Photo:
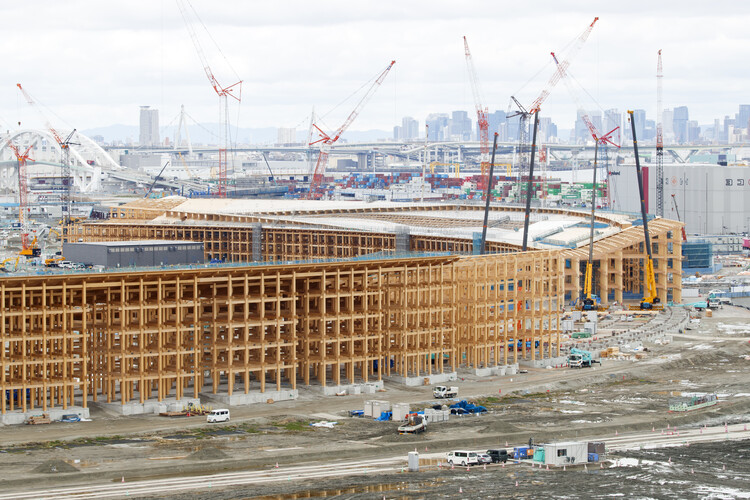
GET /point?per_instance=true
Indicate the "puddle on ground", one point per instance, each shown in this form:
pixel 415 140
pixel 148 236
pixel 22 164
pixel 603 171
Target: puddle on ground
pixel 353 490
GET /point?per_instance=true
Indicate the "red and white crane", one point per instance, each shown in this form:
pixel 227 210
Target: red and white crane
pixel 28 249
pixel 325 140
pixel 482 120
pixel 524 115
pixel 65 160
pixel 234 91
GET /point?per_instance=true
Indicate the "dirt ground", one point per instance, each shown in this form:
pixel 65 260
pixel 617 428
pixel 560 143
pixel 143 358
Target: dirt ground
pixel 546 404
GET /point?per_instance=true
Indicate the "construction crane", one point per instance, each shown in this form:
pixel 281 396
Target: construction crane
pixel 482 120
pixel 650 298
pixel 28 249
pixel 524 115
pixel 659 141
pixel 676 209
pixel 325 141
pixel 234 91
pixel 65 160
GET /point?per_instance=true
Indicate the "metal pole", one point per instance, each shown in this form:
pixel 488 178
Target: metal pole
pixel 529 185
pixel 487 198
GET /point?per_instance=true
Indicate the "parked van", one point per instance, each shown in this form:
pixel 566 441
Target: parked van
pixel 218 416
pixel 462 457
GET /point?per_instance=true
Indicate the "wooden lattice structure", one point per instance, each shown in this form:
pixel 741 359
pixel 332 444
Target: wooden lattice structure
pixel 155 334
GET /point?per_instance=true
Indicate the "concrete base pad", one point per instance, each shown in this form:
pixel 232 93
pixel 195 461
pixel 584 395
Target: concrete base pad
pixel 150 406
pixel 541 363
pixel 364 388
pixel 55 414
pixel 240 398
pixel 493 371
pixel 437 378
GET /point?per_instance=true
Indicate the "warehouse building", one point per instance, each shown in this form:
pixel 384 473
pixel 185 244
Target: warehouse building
pixel 140 253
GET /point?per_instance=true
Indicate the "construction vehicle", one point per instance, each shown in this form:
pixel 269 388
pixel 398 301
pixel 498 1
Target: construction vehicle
pixel 31 250
pixel 415 424
pixel 443 392
pixel 578 358
pixel 10 264
pixel 650 299
pixel 54 261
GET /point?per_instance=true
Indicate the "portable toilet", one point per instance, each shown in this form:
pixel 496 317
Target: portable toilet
pixel 567 453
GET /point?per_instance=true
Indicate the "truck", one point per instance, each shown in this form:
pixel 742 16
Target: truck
pixel 443 392
pixel 415 424
pixel 578 358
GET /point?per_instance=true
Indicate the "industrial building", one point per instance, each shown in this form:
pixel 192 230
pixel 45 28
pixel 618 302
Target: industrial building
pixel 143 253
pixel 711 198
pixel 314 293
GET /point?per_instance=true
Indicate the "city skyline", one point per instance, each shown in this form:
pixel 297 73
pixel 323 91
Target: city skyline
pixel 94 65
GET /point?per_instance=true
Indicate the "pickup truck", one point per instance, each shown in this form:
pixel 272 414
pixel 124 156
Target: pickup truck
pixel 443 392
pixel 414 425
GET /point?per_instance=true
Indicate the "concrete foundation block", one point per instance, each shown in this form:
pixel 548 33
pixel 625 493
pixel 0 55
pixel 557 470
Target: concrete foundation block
pixel 332 390
pixel 241 399
pixel 149 406
pixel 434 379
pixel 55 414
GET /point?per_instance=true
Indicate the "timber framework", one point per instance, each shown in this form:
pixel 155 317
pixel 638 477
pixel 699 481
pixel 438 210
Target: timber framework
pixel 272 319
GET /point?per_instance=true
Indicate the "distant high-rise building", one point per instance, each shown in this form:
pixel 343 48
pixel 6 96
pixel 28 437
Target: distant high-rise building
pixel 398 133
pixel 743 117
pixel 495 120
pixel 680 123
pixel 639 117
pixel 612 120
pixel 438 126
pixel 286 135
pixel 461 126
pixel 409 129
pixel 149 132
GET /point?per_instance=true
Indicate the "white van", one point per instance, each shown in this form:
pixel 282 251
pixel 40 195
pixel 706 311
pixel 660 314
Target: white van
pixel 463 457
pixel 218 416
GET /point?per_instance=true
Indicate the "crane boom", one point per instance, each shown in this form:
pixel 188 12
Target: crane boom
pixel 326 140
pixel 234 91
pixel 562 68
pixel 482 120
pixel 650 297
pixel 676 209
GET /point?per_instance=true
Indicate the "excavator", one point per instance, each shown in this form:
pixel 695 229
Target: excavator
pixel 650 299
pixel 10 264
pixel 32 250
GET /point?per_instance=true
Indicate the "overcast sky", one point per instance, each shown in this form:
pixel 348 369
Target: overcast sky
pixel 92 63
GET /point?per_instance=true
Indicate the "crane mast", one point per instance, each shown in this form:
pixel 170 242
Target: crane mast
pixel 325 141
pixel 659 141
pixel 650 298
pixel 482 119
pixel 28 249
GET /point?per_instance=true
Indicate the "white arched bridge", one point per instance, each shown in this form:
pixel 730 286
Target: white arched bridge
pixel 88 162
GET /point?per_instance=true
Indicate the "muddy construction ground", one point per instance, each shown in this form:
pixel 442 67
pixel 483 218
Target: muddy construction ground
pixel 544 404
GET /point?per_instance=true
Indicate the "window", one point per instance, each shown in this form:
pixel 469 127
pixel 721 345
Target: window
pixel 562 452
